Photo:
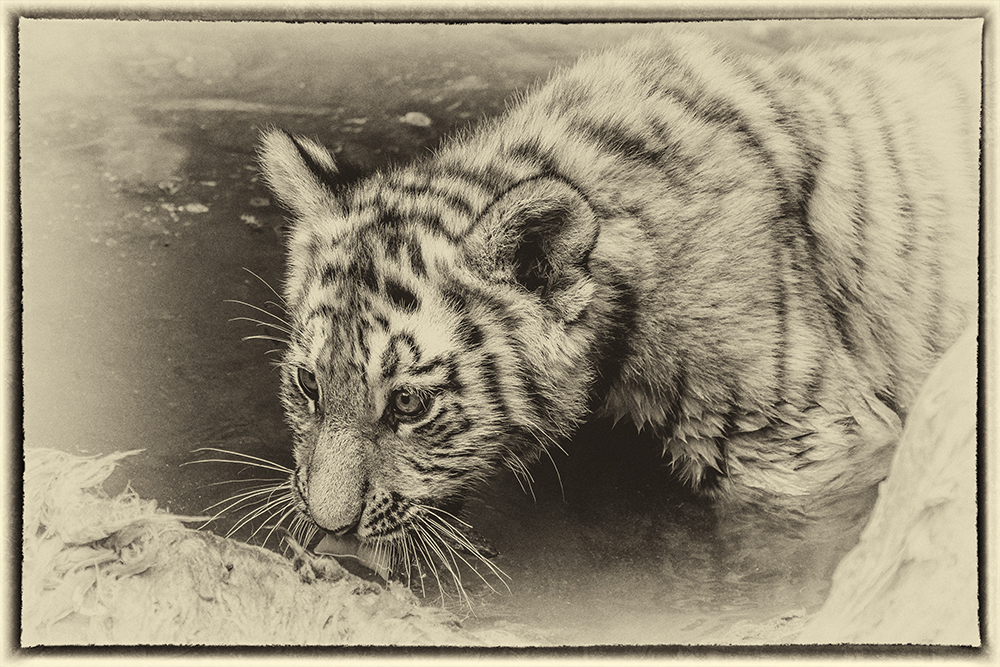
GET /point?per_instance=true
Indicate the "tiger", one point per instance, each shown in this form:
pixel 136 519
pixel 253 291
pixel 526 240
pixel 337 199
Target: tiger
pixel 755 257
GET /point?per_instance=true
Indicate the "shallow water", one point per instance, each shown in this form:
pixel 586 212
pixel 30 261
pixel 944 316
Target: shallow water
pixel 141 208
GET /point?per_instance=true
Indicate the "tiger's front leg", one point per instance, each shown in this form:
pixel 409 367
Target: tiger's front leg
pixel 795 460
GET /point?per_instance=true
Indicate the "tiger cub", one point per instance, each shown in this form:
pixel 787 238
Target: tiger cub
pixel 757 258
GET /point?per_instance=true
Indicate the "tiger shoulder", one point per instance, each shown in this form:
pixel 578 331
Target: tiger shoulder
pixel 756 258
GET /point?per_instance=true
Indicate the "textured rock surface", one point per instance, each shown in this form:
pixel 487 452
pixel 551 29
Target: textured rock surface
pixel 913 577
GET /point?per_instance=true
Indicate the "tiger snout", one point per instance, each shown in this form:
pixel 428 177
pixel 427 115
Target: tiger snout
pixel 332 481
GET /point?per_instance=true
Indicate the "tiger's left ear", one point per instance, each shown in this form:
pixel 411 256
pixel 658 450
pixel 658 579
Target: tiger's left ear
pixel 541 234
pixel 301 172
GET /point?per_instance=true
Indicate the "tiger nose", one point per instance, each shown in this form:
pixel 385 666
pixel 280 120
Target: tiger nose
pixel 336 484
pixel 337 522
pixel 336 511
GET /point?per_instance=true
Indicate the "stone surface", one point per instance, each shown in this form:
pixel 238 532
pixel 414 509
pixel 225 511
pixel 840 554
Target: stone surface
pixel 913 577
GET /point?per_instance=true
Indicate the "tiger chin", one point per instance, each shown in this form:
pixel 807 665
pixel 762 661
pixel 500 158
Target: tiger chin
pixel 757 259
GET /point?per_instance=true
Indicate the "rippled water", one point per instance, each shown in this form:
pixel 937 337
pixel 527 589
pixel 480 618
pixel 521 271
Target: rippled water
pixel 141 208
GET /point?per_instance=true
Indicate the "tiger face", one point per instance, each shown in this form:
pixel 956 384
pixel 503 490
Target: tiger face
pixel 408 377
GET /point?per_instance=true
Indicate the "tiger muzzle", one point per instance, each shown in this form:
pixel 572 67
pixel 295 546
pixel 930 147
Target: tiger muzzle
pixel 335 482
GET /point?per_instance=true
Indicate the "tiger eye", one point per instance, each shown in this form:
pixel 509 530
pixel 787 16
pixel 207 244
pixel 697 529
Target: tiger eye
pixel 408 404
pixel 308 384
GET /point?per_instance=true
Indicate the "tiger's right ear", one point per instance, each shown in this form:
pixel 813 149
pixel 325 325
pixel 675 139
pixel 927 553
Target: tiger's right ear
pixel 540 234
pixel 301 172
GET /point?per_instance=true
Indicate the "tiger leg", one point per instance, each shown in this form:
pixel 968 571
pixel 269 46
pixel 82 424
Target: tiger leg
pixel 801 462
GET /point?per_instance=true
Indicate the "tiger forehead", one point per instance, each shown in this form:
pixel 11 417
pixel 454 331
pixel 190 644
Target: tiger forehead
pixel 396 262
pixel 437 200
pixel 350 337
pixel 376 280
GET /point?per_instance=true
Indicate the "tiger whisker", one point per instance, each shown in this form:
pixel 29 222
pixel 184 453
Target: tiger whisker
pixel 451 556
pixel 289 509
pixel 269 497
pixel 429 545
pixel 308 532
pixel 562 490
pixel 249 464
pixel 261 490
pixel 276 305
pixel 263 463
pixel 456 555
pixel 552 442
pixel 385 559
pixel 273 291
pixel 437 511
pixel 447 530
pixel 234 502
pixel 420 553
pixel 419 565
pixel 251 501
pixel 239 500
pixel 521 474
pixel 280 323
pixel 265 509
pixel 266 337
pixel 280 327
pixel 263 311
pixel 435 539
pixel 253 480
pixel 409 559
pixel 302 529
pixel 253 495
pixel 245 481
pixel 545 437
pixel 551 439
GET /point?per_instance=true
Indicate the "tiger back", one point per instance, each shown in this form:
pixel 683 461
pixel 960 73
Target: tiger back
pixel 757 258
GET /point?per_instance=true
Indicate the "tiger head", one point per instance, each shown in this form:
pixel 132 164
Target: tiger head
pixel 440 329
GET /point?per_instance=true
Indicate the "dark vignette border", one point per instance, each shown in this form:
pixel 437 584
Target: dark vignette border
pixel 454 12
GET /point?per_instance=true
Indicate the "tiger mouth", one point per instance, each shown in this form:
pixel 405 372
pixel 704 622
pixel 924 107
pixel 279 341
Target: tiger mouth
pixel 350 546
pixel 371 554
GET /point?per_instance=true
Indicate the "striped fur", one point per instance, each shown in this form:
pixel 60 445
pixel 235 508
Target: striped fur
pixel 757 258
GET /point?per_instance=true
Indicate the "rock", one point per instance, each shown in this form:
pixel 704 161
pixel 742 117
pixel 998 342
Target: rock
pixel 416 119
pixel 913 578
